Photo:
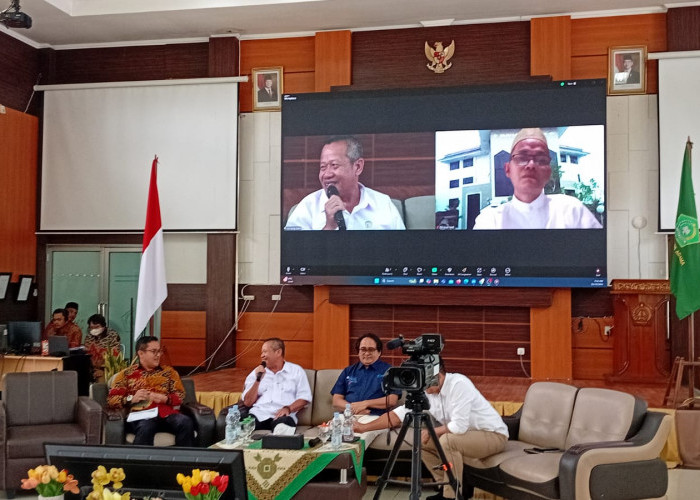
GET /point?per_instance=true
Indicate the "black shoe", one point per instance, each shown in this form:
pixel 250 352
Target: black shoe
pixel 438 496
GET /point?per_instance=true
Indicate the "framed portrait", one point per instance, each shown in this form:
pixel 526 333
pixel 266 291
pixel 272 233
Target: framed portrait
pixel 4 284
pixel 25 286
pixel 268 86
pixel 627 70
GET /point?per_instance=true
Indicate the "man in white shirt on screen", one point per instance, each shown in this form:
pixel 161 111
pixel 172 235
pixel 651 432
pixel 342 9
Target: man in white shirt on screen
pixel 361 207
pixel 529 169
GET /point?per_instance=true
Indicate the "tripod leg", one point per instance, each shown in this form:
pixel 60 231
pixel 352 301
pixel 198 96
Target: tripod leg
pixel 381 482
pixel 448 466
pixel 416 457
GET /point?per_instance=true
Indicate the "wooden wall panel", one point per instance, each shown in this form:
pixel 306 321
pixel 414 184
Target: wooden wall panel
pixel 224 53
pixel 484 53
pixel 333 51
pixel 184 324
pixel 19 71
pixel 287 326
pixel 550 336
pixel 18 167
pixel 550 47
pixel 221 277
pixel 115 64
pixel 184 352
pixel 593 36
pixel 683 26
pixel 295 55
pixel 331 331
pixel 183 335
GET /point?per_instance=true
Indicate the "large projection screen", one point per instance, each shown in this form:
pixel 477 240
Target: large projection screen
pixel 679 112
pixel 100 140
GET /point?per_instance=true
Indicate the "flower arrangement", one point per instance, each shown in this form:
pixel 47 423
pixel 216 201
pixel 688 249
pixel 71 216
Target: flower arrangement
pixel 49 481
pixel 114 362
pixel 203 485
pixel 101 478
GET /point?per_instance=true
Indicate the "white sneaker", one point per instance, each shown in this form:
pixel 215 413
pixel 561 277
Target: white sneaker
pixel 284 430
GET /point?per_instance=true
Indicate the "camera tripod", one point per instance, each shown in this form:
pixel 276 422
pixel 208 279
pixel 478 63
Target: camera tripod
pixel 417 403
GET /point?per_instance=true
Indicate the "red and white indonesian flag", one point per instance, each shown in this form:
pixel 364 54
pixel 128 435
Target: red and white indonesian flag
pixel 153 288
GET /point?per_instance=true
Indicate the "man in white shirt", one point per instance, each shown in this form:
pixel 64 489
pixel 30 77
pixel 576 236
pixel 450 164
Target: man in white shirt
pixel 349 204
pixel 529 169
pixel 469 426
pixel 277 389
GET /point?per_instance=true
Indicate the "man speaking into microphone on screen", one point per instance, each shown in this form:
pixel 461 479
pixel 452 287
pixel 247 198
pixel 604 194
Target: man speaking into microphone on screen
pixel 343 202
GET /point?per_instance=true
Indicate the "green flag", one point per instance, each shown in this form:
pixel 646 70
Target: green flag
pixel 685 262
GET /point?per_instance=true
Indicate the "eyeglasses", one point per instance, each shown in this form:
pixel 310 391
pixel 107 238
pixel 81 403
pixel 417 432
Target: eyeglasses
pixel 155 352
pixel 369 350
pixel 524 160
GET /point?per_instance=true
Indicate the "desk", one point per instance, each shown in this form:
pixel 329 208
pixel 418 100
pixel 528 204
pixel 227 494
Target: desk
pixel 11 363
pixel 282 474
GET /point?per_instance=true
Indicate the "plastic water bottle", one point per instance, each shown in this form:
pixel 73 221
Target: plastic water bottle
pixel 336 431
pixel 348 420
pixel 233 424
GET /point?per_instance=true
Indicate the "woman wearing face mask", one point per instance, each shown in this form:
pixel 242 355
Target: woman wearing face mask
pixel 99 340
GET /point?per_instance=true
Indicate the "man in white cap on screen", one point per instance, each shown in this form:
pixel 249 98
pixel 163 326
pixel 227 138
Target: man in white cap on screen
pixel 529 169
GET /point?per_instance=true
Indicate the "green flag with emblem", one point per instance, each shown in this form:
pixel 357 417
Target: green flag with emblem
pixel 685 262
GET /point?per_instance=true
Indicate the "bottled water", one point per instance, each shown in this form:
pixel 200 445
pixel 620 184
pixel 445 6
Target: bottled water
pixel 336 431
pixel 233 424
pixel 348 420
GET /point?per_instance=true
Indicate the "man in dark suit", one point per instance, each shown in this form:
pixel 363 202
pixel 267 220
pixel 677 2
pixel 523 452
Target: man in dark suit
pixel 632 74
pixel 267 93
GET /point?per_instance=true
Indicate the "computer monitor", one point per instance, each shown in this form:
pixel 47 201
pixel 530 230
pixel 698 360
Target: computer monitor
pixel 151 471
pixel 24 337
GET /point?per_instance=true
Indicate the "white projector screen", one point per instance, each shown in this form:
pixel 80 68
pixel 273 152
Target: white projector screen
pixel 679 118
pixel 100 140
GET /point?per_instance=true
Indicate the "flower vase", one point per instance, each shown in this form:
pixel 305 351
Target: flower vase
pixel 57 497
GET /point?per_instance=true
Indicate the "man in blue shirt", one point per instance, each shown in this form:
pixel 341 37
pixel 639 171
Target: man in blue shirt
pixel 360 384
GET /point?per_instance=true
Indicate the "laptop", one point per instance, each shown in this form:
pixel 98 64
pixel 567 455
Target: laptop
pixel 58 346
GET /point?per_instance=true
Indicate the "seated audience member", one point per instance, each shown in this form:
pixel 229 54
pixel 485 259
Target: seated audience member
pixel 277 389
pixel 72 309
pixel 61 326
pixel 98 341
pixel 360 384
pixel 529 169
pixel 149 385
pixel 357 206
pixel 469 427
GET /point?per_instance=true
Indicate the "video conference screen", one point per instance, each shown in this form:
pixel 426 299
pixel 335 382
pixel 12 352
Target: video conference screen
pixel 471 186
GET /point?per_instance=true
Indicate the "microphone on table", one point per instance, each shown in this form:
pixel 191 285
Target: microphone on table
pixel 314 442
pixel 260 374
pixel 338 216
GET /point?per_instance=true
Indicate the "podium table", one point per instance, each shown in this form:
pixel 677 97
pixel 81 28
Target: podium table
pixel 11 363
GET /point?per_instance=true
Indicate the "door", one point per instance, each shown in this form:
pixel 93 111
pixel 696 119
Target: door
pixel 101 280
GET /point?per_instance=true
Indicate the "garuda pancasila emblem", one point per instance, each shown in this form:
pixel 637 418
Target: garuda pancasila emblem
pixel 439 55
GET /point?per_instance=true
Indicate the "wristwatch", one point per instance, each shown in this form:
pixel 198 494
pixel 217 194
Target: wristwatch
pixel 129 398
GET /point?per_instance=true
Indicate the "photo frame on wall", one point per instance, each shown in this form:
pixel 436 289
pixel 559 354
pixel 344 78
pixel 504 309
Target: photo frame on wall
pixel 4 284
pixel 627 70
pixel 268 87
pixel 25 286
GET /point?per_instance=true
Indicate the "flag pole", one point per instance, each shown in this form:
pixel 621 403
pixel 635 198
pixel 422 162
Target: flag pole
pixel 691 356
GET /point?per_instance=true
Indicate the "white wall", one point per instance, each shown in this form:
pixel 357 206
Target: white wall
pixel 632 145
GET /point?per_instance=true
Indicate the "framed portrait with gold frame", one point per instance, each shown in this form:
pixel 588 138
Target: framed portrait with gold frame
pixel 627 70
pixel 268 86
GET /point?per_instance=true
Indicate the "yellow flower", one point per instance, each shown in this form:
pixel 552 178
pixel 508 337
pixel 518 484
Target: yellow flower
pixel 206 476
pixel 180 478
pixel 196 476
pixel 45 477
pixel 187 485
pixel 62 476
pixel 94 495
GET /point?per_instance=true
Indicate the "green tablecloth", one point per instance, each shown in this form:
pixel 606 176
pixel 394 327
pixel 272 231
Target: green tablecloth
pixel 280 474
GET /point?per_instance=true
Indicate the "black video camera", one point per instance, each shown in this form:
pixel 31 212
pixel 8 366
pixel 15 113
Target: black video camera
pixel 420 370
